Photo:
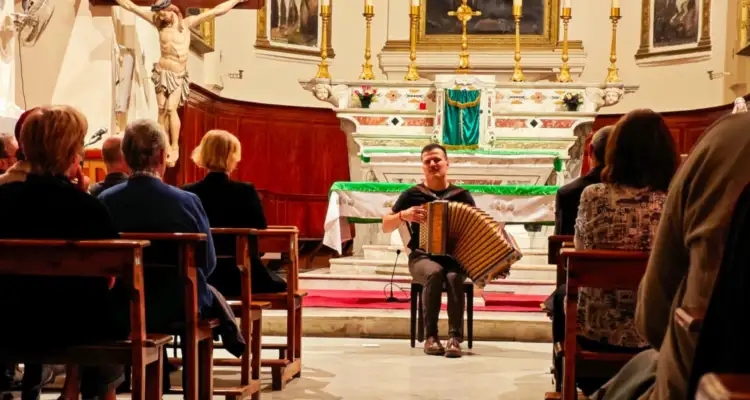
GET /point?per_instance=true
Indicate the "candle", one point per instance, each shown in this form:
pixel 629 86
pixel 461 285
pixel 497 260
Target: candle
pixel 615 3
pixel 368 3
pixel 517 3
pixel 567 3
pixel 415 3
pixel 325 3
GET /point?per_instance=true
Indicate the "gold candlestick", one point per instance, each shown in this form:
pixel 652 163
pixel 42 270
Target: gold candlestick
pixel 564 69
pixel 744 8
pixel 464 13
pixel 325 15
pixel 412 74
pixel 367 74
pixel 612 71
pixel 517 70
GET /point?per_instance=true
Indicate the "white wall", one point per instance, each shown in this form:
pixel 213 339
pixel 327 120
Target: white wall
pixel 664 88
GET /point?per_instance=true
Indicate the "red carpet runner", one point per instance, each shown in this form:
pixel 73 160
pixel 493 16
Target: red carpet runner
pixel 375 300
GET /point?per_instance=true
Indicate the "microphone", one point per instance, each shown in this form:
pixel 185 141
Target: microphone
pixel 96 137
pixel 391 298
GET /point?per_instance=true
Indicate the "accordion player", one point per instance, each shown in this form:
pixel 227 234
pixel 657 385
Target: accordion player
pixel 469 235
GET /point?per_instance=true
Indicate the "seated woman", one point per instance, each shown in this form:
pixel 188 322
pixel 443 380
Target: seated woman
pixel 230 204
pixel 46 205
pixel 621 213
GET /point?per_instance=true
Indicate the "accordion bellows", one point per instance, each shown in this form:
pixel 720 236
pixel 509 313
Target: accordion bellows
pixel 472 237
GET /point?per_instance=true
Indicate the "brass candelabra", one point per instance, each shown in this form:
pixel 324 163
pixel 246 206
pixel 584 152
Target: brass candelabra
pixel 612 72
pixel 564 69
pixel 325 15
pixel 412 74
pixel 517 70
pixel 744 26
pixel 367 74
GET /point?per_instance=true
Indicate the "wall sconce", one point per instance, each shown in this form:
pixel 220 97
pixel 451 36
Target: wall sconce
pixel 236 75
pixel 712 75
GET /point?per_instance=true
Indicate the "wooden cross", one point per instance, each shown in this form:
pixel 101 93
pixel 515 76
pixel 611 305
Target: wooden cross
pixel 185 4
pixel 464 13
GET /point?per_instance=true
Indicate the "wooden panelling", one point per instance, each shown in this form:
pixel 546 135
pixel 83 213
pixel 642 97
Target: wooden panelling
pixel 686 126
pixel 291 154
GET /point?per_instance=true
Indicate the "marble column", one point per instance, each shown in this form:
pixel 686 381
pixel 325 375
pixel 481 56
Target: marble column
pixel 9 111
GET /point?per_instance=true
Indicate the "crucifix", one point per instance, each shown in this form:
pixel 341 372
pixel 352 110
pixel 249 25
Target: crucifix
pixel 464 13
pixel 170 74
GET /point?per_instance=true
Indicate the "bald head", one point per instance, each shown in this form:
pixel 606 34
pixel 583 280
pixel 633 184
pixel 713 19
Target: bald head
pixel 599 144
pixel 112 154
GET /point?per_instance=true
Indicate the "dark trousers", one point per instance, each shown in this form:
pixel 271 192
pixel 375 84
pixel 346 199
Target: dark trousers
pixel 31 383
pixel 432 273
pixel 587 385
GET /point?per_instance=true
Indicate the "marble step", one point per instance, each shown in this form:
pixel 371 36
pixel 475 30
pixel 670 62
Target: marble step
pixel 388 252
pixel 329 280
pixel 360 265
pixel 394 324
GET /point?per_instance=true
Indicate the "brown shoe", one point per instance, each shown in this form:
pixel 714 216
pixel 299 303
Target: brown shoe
pixel 453 348
pixel 433 347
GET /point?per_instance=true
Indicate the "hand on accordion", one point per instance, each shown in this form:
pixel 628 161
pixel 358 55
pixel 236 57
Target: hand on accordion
pixel 414 214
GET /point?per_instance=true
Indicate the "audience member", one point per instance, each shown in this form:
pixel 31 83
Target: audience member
pixel 52 139
pixel 684 261
pixel 230 204
pixel 621 213
pixel 18 171
pixel 146 204
pixel 114 161
pixel 569 196
pixel 8 148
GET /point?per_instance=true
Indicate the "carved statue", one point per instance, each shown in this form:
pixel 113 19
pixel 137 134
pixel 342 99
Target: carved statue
pixel 170 74
pixel 740 105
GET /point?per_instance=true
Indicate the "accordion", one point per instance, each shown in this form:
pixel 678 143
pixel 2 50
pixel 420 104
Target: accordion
pixel 479 243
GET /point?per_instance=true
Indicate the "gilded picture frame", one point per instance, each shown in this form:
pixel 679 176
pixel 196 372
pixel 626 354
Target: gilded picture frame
pixel 547 38
pixel 267 27
pixel 202 39
pixel 657 17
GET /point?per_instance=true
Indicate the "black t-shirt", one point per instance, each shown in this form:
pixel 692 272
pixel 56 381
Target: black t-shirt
pixel 415 196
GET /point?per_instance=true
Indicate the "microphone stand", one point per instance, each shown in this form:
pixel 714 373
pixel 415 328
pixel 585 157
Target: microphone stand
pixel 391 298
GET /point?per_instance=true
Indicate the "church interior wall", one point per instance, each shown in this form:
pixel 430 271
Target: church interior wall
pixel 675 85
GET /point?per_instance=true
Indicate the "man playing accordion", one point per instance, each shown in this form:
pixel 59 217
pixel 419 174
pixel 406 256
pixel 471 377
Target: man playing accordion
pixel 433 271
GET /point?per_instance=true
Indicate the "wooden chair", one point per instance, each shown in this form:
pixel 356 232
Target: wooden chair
pixel 724 387
pixel 94 258
pixel 417 318
pixel 555 245
pixel 198 333
pixel 283 239
pixel 250 313
pixel 607 270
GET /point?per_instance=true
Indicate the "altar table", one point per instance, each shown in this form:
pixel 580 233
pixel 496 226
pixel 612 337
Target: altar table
pixel 368 202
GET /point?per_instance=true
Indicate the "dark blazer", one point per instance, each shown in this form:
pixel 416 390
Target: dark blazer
pixel 233 204
pixel 112 179
pixel 48 207
pixel 146 204
pixel 569 198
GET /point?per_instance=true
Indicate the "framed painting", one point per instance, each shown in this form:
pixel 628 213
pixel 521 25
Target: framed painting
pixel 292 26
pixel 674 27
pixel 202 37
pixel 495 28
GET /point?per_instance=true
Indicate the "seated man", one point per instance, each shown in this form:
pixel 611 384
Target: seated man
pixel 117 169
pixel 684 260
pixel 146 204
pixel 430 271
pixel 569 196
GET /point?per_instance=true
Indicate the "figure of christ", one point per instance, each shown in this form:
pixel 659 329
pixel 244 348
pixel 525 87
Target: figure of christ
pixel 170 74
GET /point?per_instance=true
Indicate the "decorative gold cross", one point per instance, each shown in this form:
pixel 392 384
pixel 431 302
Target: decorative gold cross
pixel 464 13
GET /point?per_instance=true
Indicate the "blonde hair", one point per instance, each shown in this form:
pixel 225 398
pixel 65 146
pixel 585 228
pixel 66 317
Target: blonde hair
pixel 52 137
pixel 219 150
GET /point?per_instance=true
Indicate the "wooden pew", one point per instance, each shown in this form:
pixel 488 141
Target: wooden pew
pixel 555 245
pixel 93 258
pixel 198 333
pixel 283 239
pixel 607 270
pixel 250 313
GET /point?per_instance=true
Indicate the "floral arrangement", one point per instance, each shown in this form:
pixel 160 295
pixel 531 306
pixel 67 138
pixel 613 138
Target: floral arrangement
pixel 572 101
pixel 366 95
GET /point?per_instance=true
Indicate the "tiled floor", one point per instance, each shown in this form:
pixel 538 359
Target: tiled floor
pixel 369 369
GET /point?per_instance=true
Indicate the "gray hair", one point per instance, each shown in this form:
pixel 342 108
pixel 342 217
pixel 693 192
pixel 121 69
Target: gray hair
pixel 142 142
